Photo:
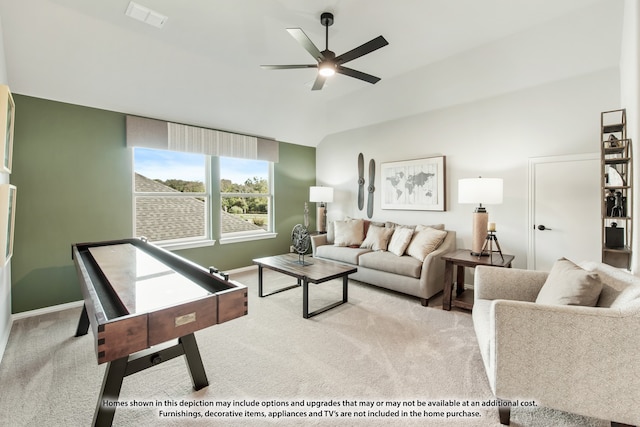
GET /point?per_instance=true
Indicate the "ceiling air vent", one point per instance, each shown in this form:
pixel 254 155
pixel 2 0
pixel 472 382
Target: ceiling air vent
pixel 146 15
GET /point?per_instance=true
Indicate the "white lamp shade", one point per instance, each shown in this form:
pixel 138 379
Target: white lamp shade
pixel 480 190
pixel 321 194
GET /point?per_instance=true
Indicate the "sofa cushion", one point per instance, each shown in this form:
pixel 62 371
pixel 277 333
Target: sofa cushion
pixel 424 241
pixel 568 284
pixel 420 227
pixel 414 227
pixel 349 232
pixel 386 261
pixel 394 225
pixel 340 253
pixel 377 238
pixel 400 240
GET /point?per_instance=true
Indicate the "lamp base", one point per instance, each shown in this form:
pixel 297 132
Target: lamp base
pixel 321 219
pixel 479 234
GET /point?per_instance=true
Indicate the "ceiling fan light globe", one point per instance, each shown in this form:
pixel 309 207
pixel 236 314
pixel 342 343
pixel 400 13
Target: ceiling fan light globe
pixel 327 71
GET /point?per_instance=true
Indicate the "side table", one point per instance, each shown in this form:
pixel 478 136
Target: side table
pixel 462 258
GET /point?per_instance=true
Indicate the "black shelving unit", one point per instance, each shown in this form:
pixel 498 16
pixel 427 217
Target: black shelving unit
pixel 617 189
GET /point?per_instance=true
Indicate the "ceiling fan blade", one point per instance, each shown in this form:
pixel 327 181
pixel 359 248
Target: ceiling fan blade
pixel 368 47
pixel 306 43
pixel 317 85
pixel 286 67
pixel 357 74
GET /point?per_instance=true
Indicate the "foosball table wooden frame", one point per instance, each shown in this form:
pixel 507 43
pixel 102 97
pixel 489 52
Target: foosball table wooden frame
pixel 138 300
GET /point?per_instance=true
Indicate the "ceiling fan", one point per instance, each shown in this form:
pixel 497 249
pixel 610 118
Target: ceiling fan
pixel 328 63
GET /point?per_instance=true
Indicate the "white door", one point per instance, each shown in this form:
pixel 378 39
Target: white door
pixel 564 210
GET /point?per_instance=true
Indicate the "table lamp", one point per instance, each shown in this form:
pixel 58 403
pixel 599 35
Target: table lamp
pixel 321 196
pixel 480 190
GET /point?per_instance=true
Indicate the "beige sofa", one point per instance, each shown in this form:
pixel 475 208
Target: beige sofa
pixel 579 359
pixel 389 267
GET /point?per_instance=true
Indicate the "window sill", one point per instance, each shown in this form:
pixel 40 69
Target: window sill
pixel 175 246
pixel 247 238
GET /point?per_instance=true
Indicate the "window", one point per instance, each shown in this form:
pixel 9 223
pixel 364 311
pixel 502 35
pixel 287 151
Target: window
pixel 171 196
pixel 246 198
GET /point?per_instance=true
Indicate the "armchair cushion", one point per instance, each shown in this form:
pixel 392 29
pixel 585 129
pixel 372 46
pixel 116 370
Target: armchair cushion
pixel 618 290
pixel 568 284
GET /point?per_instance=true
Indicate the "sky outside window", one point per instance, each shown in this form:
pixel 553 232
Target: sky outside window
pixel 240 170
pixel 164 165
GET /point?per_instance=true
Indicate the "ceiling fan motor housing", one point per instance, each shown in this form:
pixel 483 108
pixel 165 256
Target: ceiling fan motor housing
pixel 326 19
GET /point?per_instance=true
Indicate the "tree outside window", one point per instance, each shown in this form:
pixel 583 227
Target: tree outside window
pixel 245 196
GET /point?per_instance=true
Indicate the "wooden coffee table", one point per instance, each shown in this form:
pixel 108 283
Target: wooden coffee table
pixel 313 271
pixel 462 258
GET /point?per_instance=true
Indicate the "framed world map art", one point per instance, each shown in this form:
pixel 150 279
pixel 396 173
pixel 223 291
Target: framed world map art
pixel 414 184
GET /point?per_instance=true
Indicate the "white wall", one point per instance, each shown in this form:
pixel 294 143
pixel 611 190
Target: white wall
pixel 630 99
pixel 492 137
pixel 532 94
pixel 585 41
pixel 5 273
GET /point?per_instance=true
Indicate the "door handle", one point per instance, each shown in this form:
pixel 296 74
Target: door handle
pixel 542 228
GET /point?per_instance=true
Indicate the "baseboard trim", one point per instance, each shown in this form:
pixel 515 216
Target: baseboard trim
pixel 46 310
pixel 242 269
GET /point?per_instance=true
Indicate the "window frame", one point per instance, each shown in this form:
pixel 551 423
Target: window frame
pixel 246 236
pixel 186 242
pixel 211 194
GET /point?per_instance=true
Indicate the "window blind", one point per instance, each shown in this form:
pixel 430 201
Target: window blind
pixel 158 134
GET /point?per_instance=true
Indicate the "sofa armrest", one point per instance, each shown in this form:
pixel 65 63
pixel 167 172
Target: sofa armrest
pixel 318 240
pixel 507 283
pixel 578 359
pixel 432 275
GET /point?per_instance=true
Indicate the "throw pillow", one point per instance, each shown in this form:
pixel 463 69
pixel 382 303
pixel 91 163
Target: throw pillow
pixel 348 233
pixel 424 241
pixel 568 284
pixel 377 238
pixel 400 240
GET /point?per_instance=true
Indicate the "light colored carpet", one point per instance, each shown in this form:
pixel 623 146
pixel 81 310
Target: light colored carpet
pixel 379 347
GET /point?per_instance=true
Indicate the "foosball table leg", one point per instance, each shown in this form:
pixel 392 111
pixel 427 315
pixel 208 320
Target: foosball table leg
pixel 194 361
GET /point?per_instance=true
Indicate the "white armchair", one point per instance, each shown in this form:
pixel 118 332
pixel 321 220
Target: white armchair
pixel 584 360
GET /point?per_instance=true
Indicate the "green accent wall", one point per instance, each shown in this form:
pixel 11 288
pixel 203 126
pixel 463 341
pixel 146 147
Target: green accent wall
pixel 74 179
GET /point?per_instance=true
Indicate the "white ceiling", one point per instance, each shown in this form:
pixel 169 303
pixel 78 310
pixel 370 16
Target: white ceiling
pixel 202 67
